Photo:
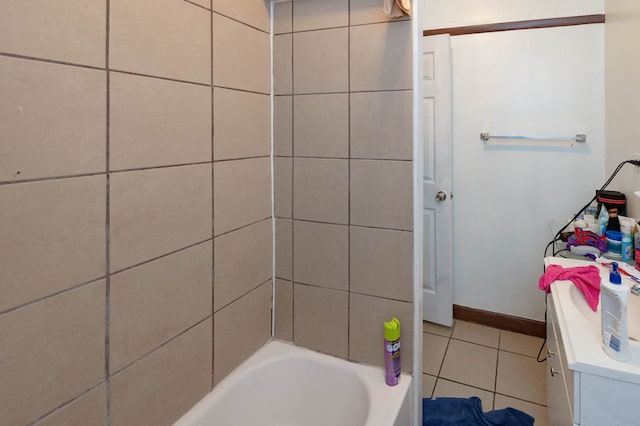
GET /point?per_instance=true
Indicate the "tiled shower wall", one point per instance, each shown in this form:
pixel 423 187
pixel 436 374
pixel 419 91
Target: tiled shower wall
pixel 343 173
pixel 131 181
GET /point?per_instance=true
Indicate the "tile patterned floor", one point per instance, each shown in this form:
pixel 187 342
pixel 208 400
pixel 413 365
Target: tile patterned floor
pixel 497 366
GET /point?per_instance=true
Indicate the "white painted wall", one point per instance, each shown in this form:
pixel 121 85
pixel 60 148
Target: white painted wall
pixel 531 82
pixel 456 13
pixel 622 70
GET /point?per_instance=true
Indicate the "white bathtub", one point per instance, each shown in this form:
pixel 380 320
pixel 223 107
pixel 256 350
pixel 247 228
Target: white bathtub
pixel 282 384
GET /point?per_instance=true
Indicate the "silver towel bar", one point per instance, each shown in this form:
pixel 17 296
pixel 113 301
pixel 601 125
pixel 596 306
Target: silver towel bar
pixel 577 138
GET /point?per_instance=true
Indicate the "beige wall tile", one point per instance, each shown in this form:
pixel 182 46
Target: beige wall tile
pixel 241 58
pixel 321 63
pixel 385 48
pixel 320 190
pixel 321 125
pixel 283 64
pixel 242 193
pixel 284 248
pixel 203 3
pixel 156 301
pixel 284 310
pixel 283 125
pixel 51 111
pixel 243 260
pixel 321 254
pixel 283 178
pixel 165 38
pixel 163 385
pixel 251 12
pixel 381 125
pixel 68 30
pixel 381 194
pixel 367 315
pixel 320 319
pixel 89 409
pixel 53 237
pixel 282 20
pixel 241 329
pixel 313 15
pixel 154 212
pixel 382 263
pixel 51 351
pixel 368 12
pixel 155 122
pixel 236 136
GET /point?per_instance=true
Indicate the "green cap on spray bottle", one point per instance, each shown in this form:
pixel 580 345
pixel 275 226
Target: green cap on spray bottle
pixel 392 330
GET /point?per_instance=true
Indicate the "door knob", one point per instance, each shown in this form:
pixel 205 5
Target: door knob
pixel 441 196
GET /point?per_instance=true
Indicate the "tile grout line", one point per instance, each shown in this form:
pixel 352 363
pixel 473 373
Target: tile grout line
pixel 239 22
pixel 213 230
pixel 64 404
pixel 162 345
pixel 107 349
pixel 293 112
pixel 119 271
pixel 252 289
pixel 495 381
pixel 345 224
pixel 334 92
pixel 49 296
pixel 494 393
pixel 197 5
pixel 349 179
pixel 272 174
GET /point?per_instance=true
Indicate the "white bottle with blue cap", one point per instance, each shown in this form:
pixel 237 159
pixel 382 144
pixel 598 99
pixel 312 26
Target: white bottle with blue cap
pixel 613 311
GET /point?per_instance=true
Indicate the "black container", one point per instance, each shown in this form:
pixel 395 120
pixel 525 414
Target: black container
pixel 611 200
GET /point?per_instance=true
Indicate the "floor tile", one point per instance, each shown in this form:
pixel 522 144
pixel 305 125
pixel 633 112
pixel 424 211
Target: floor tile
pixel 438 329
pixel 538 412
pixel 433 350
pixel 451 389
pixel 521 377
pixel 470 364
pixel 428 383
pixel 476 333
pixel 520 343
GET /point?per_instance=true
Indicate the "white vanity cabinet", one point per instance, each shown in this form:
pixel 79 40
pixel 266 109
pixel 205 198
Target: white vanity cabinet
pixel 584 386
pixel 560 379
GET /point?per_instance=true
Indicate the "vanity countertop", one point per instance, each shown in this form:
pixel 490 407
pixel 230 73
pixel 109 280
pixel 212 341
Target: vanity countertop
pixel 580 327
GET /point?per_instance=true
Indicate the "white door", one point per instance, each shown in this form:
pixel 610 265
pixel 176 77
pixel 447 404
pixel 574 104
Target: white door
pixel 437 286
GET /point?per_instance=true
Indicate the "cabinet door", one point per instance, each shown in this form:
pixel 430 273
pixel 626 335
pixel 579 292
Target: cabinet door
pixel 558 404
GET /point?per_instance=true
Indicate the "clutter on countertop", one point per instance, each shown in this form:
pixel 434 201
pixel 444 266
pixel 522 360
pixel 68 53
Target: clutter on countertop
pixel 610 234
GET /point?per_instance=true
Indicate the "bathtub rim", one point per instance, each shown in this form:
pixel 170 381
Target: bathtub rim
pixel 386 404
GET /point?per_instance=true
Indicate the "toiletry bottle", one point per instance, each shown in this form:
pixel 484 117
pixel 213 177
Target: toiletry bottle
pixel 392 351
pixel 627 248
pixel 603 220
pixel 636 237
pixel 613 309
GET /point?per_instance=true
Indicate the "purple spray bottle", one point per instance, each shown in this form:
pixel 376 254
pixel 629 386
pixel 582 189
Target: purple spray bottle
pixel 392 351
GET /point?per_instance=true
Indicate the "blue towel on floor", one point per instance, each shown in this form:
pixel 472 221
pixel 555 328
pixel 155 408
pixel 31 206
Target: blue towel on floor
pixel 468 412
